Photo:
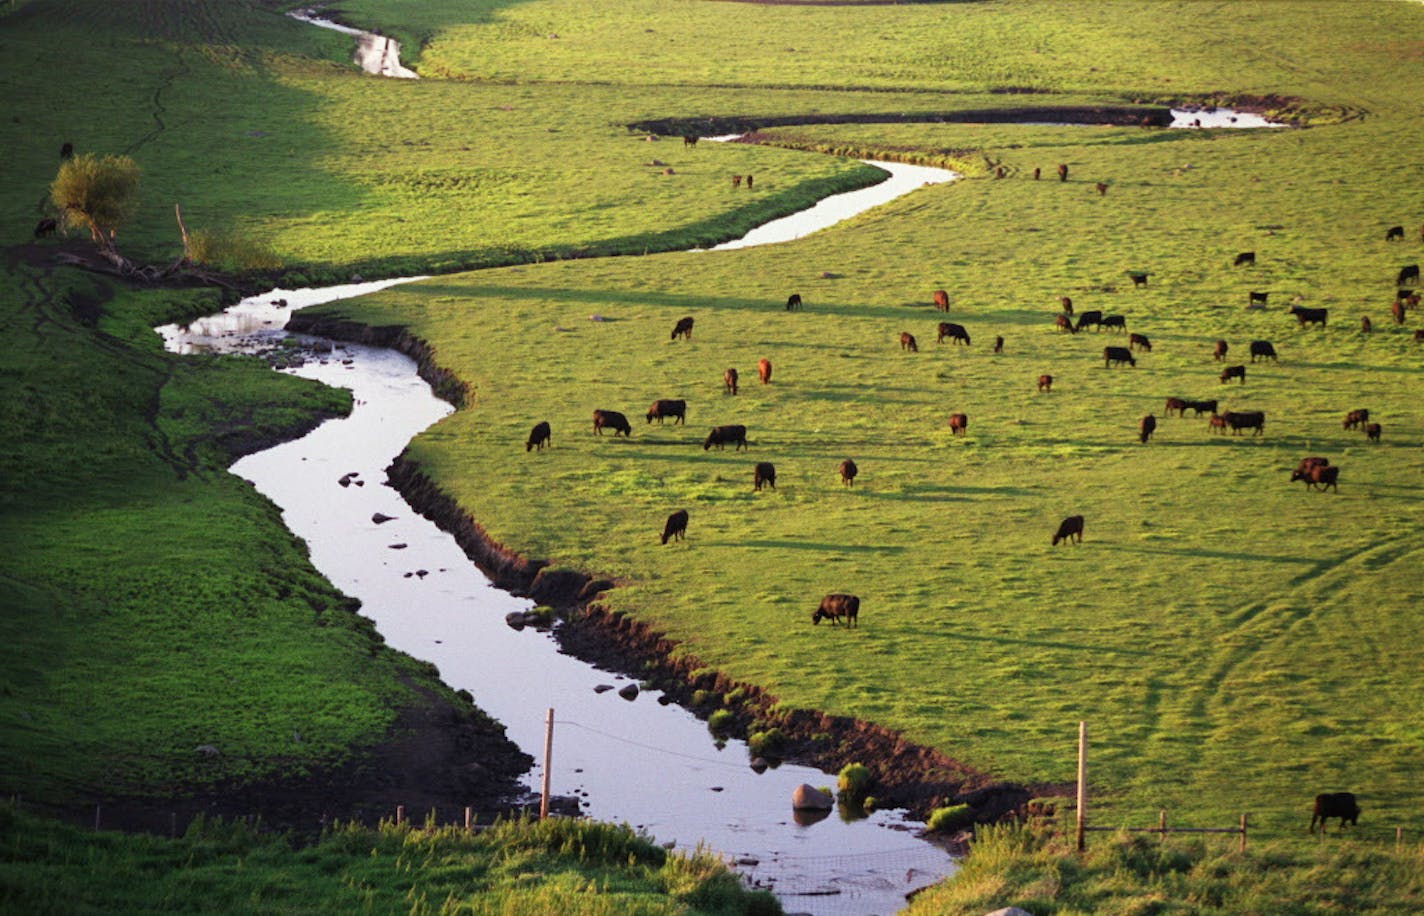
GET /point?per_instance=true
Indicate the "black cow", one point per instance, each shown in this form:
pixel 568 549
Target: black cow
pixel 1356 419
pixel 1231 372
pixel 1305 316
pixel 689 140
pixel 958 424
pixel 1064 323
pixel 1200 407
pixel 907 342
pixel 1118 355
pixel 1219 353
pixel 834 607
pixel 764 474
pixel 676 526
pixel 848 470
pixel 729 380
pixel 721 435
pixel 613 420
pixel 683 328
pixel 941 300
pixel 955 332
pixel 1116 322
pixel 1263 349
pixel 1139 341
pixel 1408 275
pixel 999 344
pixel 1255 298
pixel 793 302
pixel 1394 232
pixel 66 151
pixel 1070 528
pixel 1138 278
pixel 1146 427
pixel 538 436
pixel 1335 804
pixel 1092 316
pixel 1102 189
pixel 662 409
pixel 46 226
pixel 1365 325
pixel 1245 419
pixel 1245 257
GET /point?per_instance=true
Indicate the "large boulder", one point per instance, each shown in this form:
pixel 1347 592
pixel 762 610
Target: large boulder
pixel 809 798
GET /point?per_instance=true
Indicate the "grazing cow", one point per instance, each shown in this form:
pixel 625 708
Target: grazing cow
pixel 941 300
pixel 1177 404
pixel 538 436
pixel 749 182
pixel 1408 275
pixel 1092 317
pixel 1231 372
pixel 1064 323
pixel 1139 341
pixel 1394 232
pixel 661 410
pixel 1305 316
pixel 1070 528
pixel 1102 189
pixel 1335 804
pixel 736 181
pixel 1245 419
pixel 1245 257
pixel 1045 383
pixel 1372 432
pixel 1419 333
pixel 793 302
pixel 1356 419
pixel 683 328
pixel 676 526
pixel 1036 172
pixel 834 607
pixel 1067 304
pixel 1138 278
pixel 958 423
pixel 1256 298
pixel 689 140
pixel 729 380
pixel 955 332
pixel 998 344
pixel 907 342
pixel 1118 355
pixel 1115 322
pixel 1062 172
pixel 1200 407
pixel 764 474
pixel 1263 349
pixel 1396 309
pixel 1302 470
pixel 721 435
pixel 613 420
pixel 1216 424
pixel 1146 427
pixel 848 470
pixel 66 151
pixel 1219 353
pixel 1322 478
pixel 1410 301
pixel 46 226
pixel 1365 325
pixel 764 370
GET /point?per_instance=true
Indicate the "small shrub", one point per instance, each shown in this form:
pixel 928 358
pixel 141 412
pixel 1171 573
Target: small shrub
pixel 769 743
pixel 950 818
pixel 721 721
pixel 703 698
pixel 735 696
pixel 854 780
pixel 228 251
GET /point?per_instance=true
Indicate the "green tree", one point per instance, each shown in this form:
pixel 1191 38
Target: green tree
pixel 96 193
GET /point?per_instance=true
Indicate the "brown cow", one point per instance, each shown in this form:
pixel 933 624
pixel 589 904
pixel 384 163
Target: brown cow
pixel 1177 404
pixel 1067 304
pixel 955 332
pixel 1036 172
pixel 662 409
pixel 1356 419
pixel 1139 341
pixel 763 474
pixel 749 182
pixel 1219 353
pixel 1419 333
pixel 1045 383
pixel 736 181
pixel 676 526
pixel 941 300
pixel 1396 310
pixel 958 423
pixel 998 344
pixel 1102 189
pixel 1062 172
pixel 1302 470
pixel 764 370
pixel 538 436
pixel 907 342
pixel 1064 323
pixel 1069 529
pixel 689 140
pixel 1146 427
pixel 834 607
pixel 729 380
pixel 1217 424
pixel 1365 325
pixel 613 420
pixel 1231 372
pixel 1372 432
pixel 848 470
pixel 683 328
pixel 1322 478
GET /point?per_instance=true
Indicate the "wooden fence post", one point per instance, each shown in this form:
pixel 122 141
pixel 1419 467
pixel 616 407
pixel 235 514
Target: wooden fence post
pixel 469 819
pixel 400 814
pixel 1243 833
pixel 548 757
pixel 1082 783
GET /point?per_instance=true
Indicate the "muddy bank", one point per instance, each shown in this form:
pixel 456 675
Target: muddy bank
pixel 1118 115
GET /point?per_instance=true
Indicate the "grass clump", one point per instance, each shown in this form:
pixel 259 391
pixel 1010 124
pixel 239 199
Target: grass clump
pixel 721 721
pixel 769 742
pixel 232 252
pixel 854 781
pixel 950 817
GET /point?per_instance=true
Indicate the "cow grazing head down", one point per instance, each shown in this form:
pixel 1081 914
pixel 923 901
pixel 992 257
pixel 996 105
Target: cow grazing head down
pixel 682 329
pixel 1146 427
pixel 538 436
pixel 837 607
pixel 611 419
pixel 907 342
pixel 764 475
pixel 1069 529
pixel 793 302
pixel 721 435
pixel 1335 804
pixel 676 527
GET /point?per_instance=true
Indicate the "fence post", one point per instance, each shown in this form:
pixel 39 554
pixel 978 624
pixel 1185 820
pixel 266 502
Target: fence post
pixel 96 818
pixel 548 756
pixel 1243 833
pixel 468 818
pixel 1082 783
pixel 1162 824
pixel 1398 837
pixel 400 814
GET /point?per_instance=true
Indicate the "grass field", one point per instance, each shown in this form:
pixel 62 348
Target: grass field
pixel 1236 643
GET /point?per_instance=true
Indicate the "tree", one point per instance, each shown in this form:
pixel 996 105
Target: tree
pixel 96 193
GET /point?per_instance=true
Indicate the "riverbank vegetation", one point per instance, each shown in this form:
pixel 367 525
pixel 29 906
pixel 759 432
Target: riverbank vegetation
pixel 1236 642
